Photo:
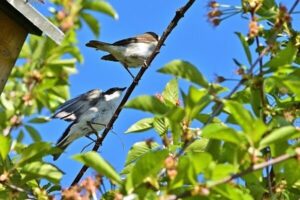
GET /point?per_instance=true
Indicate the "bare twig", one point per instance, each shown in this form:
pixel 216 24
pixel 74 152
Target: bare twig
pixel 179 14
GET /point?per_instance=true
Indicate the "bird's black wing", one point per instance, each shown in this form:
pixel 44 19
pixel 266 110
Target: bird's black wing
pixel 145 37
pixel 73 108
pixel 109 57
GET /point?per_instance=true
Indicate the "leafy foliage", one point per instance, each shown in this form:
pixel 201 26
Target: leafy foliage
pixel 40 82
pixel 214 142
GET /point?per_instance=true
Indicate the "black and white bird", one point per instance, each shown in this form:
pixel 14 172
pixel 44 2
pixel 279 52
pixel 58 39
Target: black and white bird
pixel 89 113
pixel 131 52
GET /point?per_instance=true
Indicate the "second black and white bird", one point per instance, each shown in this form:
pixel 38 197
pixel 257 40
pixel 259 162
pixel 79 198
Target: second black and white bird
pixel 89 113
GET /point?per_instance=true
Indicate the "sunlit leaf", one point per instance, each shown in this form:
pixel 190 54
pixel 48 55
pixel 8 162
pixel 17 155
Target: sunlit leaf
pixel 5 142
pixel 245 44
pixel 280 134
pixel 147 103
pixel 139 149
pixel 43 170
pixel 147 167
pixel 170 93
pixel 161 125
pixel 39 119
pixel 92 22
pixel 240 114
pixel 34 134
pixel 141 125
pixel 101 6
pixel 283 57
pixel 35 152
pixel 185 70
pixel 95 161
pixel 223 133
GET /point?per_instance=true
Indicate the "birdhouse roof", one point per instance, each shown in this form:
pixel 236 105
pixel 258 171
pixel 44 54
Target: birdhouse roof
pixel 31 19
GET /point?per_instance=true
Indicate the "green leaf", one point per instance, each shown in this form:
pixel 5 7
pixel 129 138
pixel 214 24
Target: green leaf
pixel 92 22
pixel 101 6
pixel 95 161
pixel 198 145
pixel 146 168
pixel 20 136
pixel 230 191
pixel 161 125
pixel 170 93
pixel 214 148
pixel 223 133
pixel 258 131
pixel 245 44
pixel 185 70
pixel 280 134
pixel 240 114
pixel 5 146
pixel 39 120
pixel 8 105
pixel 176 130
pixel 139 149
pixel 34 152
pixel 141 125
pixel 292 82
pixel 196 101
pixel 283 57
pixel 222 170
pixel 175 114
pixel 147 103
pixel 34 134
pixel 189 166
pixel 62 62
pixel 255 101
pixel 43 170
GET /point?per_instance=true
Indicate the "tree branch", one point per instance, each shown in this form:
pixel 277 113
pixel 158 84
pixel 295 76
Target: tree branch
pixel 254 168
pixel 251 169
pixel 179 14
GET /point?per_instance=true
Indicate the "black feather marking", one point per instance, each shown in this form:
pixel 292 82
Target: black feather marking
pixel 65 133
pixel 62 146
pixel 109 57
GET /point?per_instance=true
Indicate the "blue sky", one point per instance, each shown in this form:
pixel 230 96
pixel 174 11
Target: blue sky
pixel 209 48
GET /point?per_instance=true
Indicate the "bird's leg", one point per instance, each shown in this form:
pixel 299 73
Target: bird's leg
pixel 145 64
pixel 90 124
pixel 87 136
pixel 126 67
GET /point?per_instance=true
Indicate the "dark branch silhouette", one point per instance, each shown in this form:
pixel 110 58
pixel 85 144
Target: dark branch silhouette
pixel 179 14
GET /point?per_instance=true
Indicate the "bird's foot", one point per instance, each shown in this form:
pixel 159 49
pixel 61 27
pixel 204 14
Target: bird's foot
pixel 90 124
pixel 145 64
pixel 89 137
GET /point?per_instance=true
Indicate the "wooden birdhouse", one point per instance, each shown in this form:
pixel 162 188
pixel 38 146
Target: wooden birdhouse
pixel 18 19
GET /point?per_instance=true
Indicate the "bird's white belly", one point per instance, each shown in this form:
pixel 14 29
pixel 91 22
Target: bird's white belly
pixel 134 55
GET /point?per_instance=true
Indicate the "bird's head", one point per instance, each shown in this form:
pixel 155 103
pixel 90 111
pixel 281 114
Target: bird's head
pixel 113 93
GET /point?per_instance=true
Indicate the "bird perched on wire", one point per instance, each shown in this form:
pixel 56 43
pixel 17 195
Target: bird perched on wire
pixel 89 113
pixel 131 52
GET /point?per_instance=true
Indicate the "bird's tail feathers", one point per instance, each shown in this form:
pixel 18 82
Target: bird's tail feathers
pixel 99 45
pixel 62 143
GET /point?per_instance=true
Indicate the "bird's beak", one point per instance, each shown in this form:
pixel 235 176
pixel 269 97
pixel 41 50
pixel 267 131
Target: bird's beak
pixel 122 89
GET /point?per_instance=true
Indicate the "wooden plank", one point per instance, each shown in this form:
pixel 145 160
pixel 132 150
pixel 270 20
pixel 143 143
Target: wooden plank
pixel 12 37
pixel 10 11
pixel 38 20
